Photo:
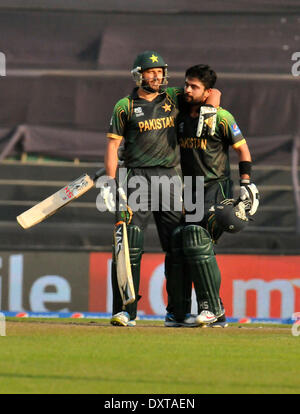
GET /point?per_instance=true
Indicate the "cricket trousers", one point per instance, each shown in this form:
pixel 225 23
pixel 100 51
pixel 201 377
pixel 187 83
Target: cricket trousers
pixel 152 192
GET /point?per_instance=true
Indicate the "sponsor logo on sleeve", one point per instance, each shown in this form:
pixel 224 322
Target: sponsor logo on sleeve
pixel 235 129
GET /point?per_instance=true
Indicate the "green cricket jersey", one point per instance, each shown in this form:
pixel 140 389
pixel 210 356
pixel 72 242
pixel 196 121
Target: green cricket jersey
pixel 148 129
pixel 208 156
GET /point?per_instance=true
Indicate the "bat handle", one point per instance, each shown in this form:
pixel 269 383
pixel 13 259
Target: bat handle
pixel 98 174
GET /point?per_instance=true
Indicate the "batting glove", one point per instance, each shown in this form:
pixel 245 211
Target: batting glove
pixel 124 209
pixel 207 121
pixel 249 194
pixel 108 195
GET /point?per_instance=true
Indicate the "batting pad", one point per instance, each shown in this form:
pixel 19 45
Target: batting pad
pixel 202 266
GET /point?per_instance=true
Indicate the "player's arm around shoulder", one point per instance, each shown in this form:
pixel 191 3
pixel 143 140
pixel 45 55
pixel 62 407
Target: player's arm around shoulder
pixel 214 98
pixel 175 94
pixel 174 90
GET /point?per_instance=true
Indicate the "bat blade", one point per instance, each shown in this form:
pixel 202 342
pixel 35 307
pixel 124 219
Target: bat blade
pixel 123 267
pixel 56 201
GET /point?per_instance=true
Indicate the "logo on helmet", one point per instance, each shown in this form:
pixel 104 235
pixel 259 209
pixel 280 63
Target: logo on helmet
pixel 153 58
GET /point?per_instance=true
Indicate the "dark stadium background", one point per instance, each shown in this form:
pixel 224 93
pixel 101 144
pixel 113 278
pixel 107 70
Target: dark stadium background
pixel 68 62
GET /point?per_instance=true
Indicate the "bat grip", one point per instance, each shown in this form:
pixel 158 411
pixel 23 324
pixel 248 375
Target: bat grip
pixel 98 174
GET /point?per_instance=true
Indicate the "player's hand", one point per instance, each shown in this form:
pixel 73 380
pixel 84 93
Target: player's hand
pixel 207 121
pixel 249 194
pixel 108 195
pixel 124 212
pixel 115 200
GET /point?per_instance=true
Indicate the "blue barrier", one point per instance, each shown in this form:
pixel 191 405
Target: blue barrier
pixel 91 315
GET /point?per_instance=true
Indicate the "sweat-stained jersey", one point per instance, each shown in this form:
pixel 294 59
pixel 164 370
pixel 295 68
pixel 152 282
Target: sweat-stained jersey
pixel 148 129
pixel 208 156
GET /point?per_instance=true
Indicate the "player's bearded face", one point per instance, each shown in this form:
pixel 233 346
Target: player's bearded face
pixel 153 77
pixel 195 92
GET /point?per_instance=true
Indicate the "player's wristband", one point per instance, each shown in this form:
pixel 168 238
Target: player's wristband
pixel 245 168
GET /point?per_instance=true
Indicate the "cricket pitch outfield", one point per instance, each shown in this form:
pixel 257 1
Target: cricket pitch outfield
pixel 90 356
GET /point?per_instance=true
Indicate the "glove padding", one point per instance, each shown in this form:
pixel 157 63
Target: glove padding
pixel 207 121
pixel 113 199
pixel 250 196
pixel 107 193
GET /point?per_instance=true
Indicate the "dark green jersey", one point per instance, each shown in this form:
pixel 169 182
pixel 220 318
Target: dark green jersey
pixel 148 129
pixel 208 156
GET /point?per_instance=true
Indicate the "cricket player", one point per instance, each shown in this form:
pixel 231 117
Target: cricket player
pixel 146 122
pixel 208 156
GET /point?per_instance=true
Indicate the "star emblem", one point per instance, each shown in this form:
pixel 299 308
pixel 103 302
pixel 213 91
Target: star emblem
pixel 166 107
pixel 154 58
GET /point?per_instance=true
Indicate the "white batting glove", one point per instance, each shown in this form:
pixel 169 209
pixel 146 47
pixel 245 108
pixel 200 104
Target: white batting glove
pixel 249 194
pixel 108 197
pixel 207 121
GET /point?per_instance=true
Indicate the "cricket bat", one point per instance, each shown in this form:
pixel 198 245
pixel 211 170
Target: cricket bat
pixel 58 200
pixel 123 267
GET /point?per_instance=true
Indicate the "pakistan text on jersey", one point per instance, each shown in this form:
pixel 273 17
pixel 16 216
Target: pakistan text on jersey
pixel 193 143
pixel 157 123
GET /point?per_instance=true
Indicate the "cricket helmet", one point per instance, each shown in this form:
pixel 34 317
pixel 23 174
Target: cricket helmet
pixel 147 60
pixel 232 218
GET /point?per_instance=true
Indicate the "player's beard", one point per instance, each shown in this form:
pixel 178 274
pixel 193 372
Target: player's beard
pixel 156 88
pixel 193 102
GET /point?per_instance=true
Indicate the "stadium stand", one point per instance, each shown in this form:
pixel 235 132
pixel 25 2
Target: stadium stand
pixel 68 63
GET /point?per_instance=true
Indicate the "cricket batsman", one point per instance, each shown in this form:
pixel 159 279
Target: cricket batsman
pixel 207 155
pixel 145 121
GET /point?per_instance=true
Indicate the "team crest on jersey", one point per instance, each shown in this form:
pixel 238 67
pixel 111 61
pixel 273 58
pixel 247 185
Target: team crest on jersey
pixel 138 111
pixel 166 107
pixel 235 129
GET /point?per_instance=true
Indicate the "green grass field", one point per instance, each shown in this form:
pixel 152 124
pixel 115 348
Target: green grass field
pixel 84 357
